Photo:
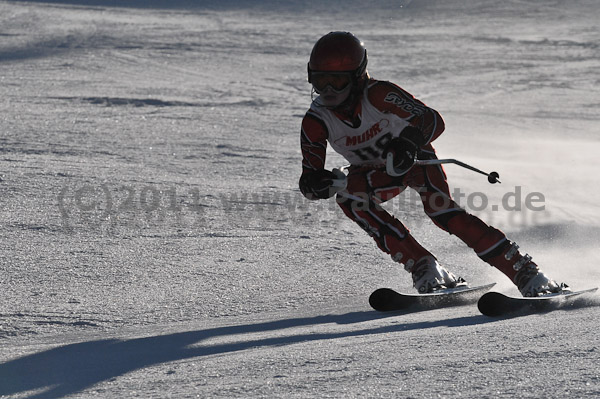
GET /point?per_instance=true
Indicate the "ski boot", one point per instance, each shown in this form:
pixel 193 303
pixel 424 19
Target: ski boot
pixel 526 275
pixel 533 283
pixel 429 276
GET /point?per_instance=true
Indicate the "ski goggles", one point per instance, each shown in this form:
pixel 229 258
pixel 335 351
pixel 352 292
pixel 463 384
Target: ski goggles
pixel 338 81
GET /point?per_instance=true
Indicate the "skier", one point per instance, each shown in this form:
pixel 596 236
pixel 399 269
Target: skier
pixel 364 119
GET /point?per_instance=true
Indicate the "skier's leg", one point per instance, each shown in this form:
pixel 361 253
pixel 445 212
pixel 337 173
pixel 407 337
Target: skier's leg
pixel 360 202
pixel 390 235
pixel 489 243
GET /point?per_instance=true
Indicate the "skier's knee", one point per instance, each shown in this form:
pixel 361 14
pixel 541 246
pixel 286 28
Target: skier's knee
pixel 442 219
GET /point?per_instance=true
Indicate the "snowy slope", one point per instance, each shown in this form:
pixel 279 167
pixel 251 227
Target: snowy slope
pixel 154 242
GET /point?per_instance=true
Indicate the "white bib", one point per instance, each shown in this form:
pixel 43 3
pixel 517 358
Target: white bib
pixel 363 145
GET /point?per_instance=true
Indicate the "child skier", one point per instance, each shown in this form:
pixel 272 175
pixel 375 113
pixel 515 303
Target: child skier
pixel 364 120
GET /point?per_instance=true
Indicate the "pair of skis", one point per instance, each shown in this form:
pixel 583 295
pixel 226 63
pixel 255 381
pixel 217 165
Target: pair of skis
pixel 492 304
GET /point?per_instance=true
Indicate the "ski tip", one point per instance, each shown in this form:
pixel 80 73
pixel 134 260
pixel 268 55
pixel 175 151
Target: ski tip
pixel 382 298
pixel 496 304
pixel 489 302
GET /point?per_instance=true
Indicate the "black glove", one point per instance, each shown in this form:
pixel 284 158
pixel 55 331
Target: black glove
pixel 318 184
pixel 405 148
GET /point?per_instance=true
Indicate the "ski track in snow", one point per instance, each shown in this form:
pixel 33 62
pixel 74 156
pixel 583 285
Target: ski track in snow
pixel 154 243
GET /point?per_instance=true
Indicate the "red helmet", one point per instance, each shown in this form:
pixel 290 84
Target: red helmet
pixel 338 52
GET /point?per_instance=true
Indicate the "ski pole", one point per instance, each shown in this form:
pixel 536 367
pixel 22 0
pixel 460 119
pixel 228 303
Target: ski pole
pixel 389 167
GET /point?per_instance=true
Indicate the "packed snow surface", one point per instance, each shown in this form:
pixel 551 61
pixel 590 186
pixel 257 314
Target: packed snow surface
pixel 154 242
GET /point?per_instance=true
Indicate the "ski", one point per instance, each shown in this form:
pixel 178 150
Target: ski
pixel 495 304
pixel 388 300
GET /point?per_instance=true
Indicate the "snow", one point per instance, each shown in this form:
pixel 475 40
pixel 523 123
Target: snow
pixel 154 242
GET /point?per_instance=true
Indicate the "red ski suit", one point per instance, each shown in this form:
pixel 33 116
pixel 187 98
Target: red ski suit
pixel 381 112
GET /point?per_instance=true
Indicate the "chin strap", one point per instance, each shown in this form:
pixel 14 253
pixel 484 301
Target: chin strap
pixel 312 94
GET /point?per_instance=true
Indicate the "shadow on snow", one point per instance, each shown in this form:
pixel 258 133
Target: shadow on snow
pixel 69 369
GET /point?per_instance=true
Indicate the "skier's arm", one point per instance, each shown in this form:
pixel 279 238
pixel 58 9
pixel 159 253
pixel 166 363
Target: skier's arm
pixel 391 98
pixel 315 180
pixel 313 142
